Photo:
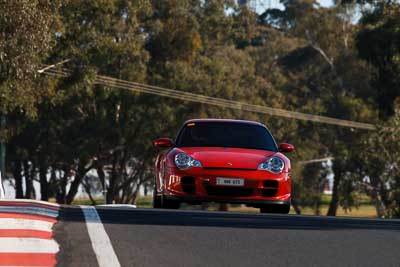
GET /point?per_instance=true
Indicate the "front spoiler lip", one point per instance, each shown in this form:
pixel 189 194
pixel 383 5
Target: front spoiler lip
pixel 229 200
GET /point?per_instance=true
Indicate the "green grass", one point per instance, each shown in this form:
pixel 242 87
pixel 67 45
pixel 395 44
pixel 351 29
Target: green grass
pixel 364 210
pixel 141 202
pixel 86 201
pixel 367 211
pixel 144 202
pixel 362 199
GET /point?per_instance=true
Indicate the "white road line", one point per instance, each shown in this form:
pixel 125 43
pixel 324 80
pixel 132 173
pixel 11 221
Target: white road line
pixel 11 223
pixel 27 245
pixel 101 243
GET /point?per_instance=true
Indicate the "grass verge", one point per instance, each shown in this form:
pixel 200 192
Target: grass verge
pixel 363 210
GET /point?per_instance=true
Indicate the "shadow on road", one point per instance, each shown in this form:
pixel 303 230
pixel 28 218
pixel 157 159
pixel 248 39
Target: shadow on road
pixel 231 220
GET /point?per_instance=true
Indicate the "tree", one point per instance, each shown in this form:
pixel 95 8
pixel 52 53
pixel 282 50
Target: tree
pixel 380 163
pixel 378 43
pixel 326 77
pixel 303 58
pixel 26 36
pixel 27 29
pixel 174 31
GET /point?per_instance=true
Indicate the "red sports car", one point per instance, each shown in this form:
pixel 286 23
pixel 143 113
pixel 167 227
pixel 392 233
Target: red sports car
pixel 228 161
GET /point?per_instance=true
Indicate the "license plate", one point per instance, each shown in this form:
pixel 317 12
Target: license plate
pixel 230 181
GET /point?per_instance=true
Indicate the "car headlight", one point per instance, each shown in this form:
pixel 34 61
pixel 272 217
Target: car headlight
pixel 274 165
pixel 184 161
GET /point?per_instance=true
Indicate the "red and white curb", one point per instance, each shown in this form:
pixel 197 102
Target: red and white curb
pixel 26 237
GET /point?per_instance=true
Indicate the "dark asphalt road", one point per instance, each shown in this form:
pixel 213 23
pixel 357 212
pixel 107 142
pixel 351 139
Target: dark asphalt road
pixel 146 237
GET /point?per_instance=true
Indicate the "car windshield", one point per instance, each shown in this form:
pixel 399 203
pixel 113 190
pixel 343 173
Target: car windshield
pixel 225 134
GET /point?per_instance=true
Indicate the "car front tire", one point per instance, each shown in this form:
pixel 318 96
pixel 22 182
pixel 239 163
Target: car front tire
pixel 160 202
pixel 157 204
pixel 170 204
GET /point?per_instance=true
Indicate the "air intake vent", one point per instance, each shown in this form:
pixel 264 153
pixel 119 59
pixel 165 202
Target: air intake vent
pixel 270 188
pixel 188 184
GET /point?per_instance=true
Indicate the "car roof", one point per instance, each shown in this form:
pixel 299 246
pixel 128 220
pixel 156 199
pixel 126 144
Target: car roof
pixel 224 120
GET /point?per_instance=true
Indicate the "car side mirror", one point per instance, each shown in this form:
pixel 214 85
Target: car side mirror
pixel 163 142
pixel 284 147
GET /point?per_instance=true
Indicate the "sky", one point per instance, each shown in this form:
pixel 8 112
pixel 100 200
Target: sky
pixel 275 3
pixel 325 3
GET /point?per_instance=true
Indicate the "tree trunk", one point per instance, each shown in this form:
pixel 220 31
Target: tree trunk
pixel 44 187
pixel 379 207
pixel 53 183
pixel 223 207
pixel 28 180
pixel 134 196
pixel 33 175
pixel 86 186
pixel 112 180
pixel 296 206
pixel 102 178
pixel 333 206
pixel 19 193
pixel 317 207
pixel 376 198
pixel 80 173
pixel 62 186
pixel 121 176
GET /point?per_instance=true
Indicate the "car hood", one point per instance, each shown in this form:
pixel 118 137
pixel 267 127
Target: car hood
pixel 230 158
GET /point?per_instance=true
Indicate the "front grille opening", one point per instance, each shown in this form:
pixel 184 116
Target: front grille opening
pixel 271 184
pixel 229 191
pixel 269 192
pixel 188 184
pixel 270 188
pixel 226 168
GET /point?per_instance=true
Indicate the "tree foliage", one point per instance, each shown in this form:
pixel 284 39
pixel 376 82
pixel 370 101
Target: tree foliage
pixel 304 58
pixel 27 29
